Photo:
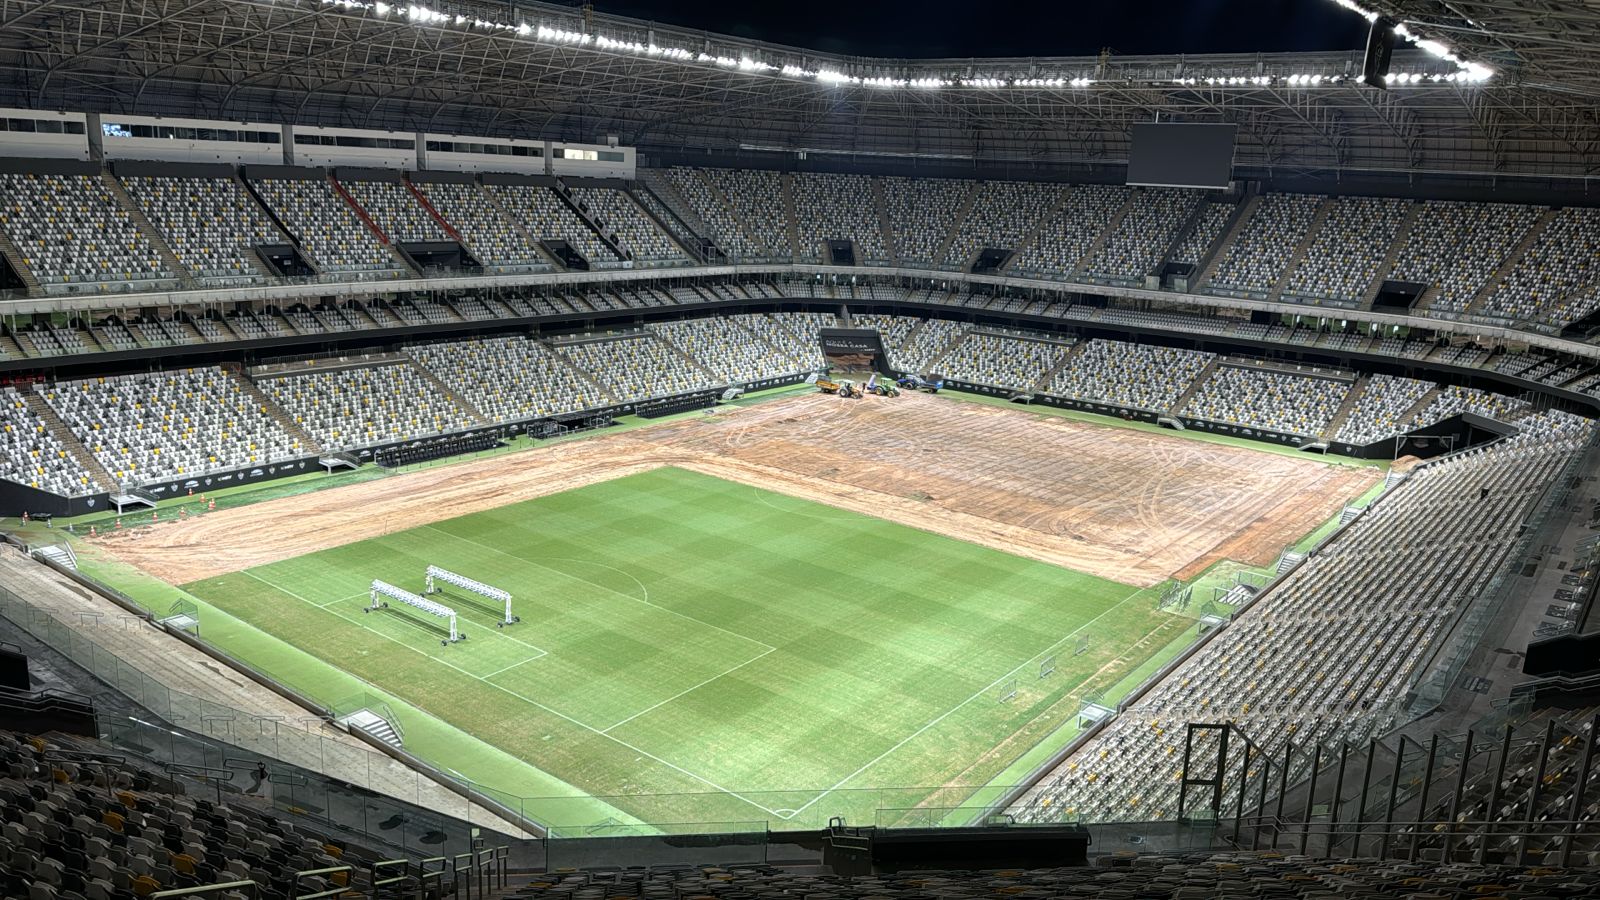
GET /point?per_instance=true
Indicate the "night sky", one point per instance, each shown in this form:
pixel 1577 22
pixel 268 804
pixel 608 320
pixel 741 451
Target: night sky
pixel 946 28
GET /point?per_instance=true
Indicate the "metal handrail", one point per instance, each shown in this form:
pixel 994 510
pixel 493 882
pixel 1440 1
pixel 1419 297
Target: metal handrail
pixel 382 865
pixel 251 889
pixel 457 870
pixel 435 877
pixel 347 870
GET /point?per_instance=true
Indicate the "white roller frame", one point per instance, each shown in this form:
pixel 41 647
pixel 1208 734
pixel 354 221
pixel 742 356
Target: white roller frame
pixel 476 587
pixel 385 589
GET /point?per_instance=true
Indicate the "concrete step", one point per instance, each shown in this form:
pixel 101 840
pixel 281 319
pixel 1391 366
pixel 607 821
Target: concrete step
pixel 957 222
pixel 811 254
pixel 1045 221
pixel 881 206
pixel 149 230
pixel 1534 232
pixel 1346 406
pixel 1306 240
pixel 277 413
pixel 13 255
pixel 1241 216
pixel 447 391
pixel 75 448
pixel 1180 404
pixel 1080 265
pixel 1385 268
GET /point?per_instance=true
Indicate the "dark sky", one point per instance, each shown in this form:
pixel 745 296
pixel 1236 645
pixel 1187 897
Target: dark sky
pixel 947 28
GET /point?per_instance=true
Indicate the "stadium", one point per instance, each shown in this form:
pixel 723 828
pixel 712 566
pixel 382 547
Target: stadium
pixel 529 450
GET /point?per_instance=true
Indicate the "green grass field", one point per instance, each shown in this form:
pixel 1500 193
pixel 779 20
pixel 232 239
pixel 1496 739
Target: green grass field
pixel 697 651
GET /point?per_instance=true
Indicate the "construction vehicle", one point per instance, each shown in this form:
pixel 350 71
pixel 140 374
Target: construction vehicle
pixel 844 387
pixel 918 383
pixel 884 388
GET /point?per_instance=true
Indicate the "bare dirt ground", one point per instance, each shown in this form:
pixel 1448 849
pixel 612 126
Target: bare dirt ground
pixel 1127 505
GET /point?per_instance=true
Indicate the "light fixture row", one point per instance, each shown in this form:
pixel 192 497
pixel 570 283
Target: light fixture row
pixel 422 15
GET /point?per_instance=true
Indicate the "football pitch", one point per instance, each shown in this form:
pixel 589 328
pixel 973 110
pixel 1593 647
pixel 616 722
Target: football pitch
pixel 692 650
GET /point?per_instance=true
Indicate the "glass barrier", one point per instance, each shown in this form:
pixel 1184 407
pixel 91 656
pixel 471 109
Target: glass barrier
pixel 195 734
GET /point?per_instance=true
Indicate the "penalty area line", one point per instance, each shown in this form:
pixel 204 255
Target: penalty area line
pixel 610 590
pixel 607 730
pixel 528 700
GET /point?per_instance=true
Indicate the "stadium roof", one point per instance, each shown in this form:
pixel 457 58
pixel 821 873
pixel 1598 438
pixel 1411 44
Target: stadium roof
pixel 530 69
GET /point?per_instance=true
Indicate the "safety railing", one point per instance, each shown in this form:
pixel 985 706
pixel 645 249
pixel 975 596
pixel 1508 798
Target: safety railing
pixel 341 877
pixel 248 888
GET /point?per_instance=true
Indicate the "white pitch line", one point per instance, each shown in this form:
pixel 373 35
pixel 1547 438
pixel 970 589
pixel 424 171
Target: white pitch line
pixel 529 700
pixel 322 605
pixel 512 666
pixel 327 606
pixel 607 729
pixel 952 710
pixel 609 590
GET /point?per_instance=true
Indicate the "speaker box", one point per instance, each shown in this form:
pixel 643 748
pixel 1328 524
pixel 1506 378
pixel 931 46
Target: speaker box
pixel 1380 48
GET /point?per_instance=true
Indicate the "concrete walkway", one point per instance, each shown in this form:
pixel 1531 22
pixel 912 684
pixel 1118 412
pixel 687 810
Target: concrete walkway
pixel 193 691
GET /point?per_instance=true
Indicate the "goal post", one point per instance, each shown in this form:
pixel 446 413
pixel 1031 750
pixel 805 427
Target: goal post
pixel 436 574
pixel 382 589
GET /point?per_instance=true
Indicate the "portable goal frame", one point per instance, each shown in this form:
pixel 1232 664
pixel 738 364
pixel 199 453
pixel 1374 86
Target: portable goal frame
pixel 476 587
pixel 381 589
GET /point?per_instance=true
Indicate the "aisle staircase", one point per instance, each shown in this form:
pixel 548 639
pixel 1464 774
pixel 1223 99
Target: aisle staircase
pixel 1042 386
pixel 881 206
pixel 687 357
pixel 13 255
pixel 518 226
pixel 1048 219
pixel 447 391
pixel 1416 409
pixel 935 359
pixel 147 228
pixel 1241 218
pixel 402 261
pixel 721 198
pixel 957 222
pixel 793 228
pixel 1081 265
pixel 1313 228
pixel 427 205
pixel 1183 231
pixel 664 192
pixel 1346 407
pixel 69 441
pixel 1180 405
pixel 273 410
pixel 1534 232
pixel 289 237
pixel 583 374
pixel 606 237
pixel 1392 258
